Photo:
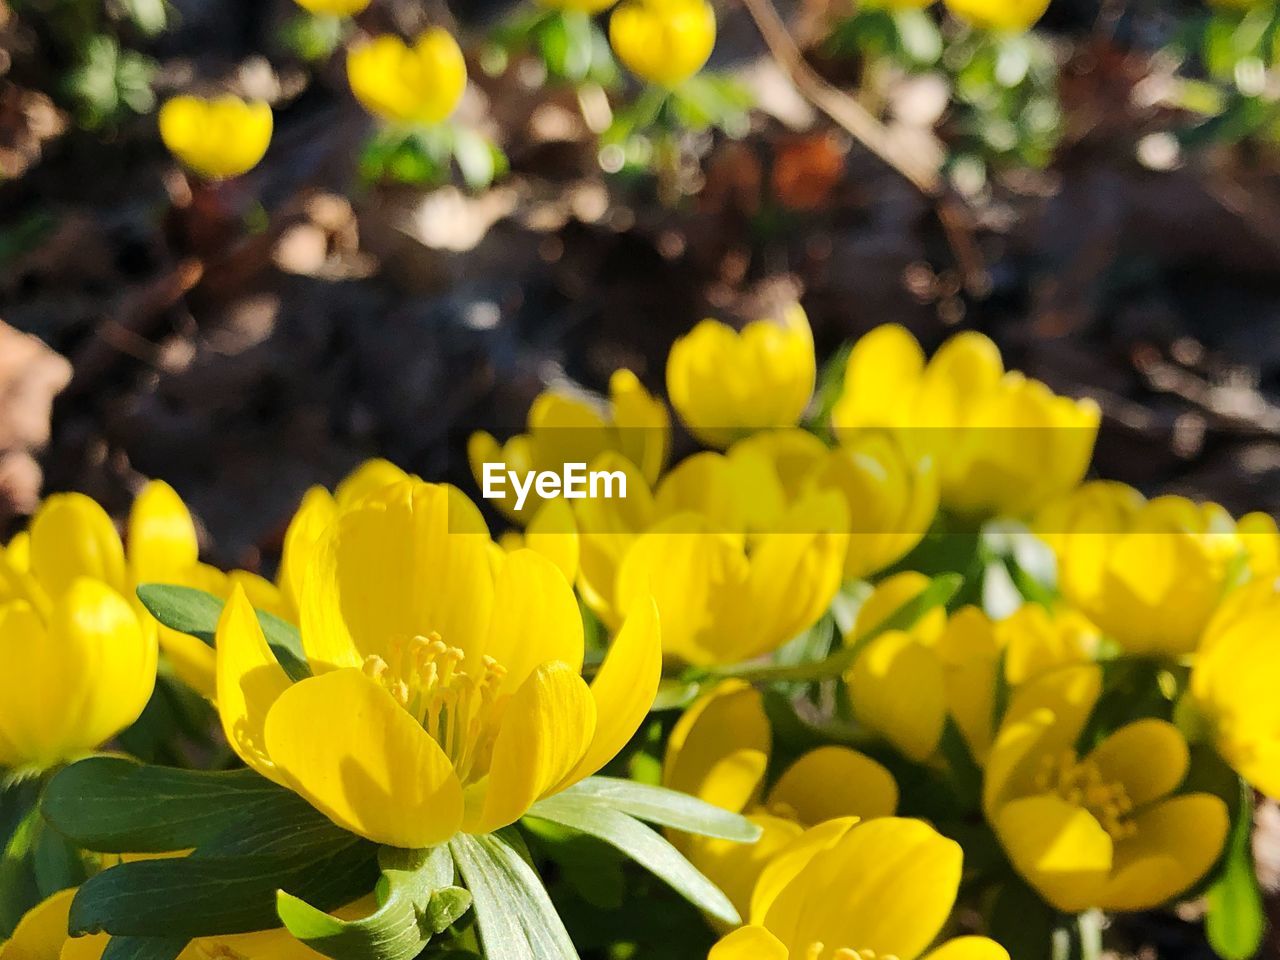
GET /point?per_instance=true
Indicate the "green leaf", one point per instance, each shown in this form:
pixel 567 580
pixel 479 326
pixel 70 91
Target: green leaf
pixel 196 612
pixel 420 902
pixel 516 917
pixel 114 805
pixel 669 808
pixel 1236 919
pixel 641 844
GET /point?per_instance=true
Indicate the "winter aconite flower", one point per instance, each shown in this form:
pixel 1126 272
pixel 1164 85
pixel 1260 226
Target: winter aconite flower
pixel 1101 827
pixel 418 84
pixel 216 139
pixel 727 384
pixel 1234 681
pixel 77 657
pixel 565 428
pixel 880 889
pixel 719 752
pixel 1149 573
pixel 663 41
pixel 445 690
pixel 334 8
pixel 1009 16
pixel 1002 444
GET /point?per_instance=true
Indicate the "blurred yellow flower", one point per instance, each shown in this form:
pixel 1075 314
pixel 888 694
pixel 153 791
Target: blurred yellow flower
pixel 1105 828
pixel 1234 680
pixel 576 429
pixel 446 692
pixel 719 752
pixel 1002 444
pixel 1010 16
pixel 663 41
pixel 77 660
pixel 727 384
pixel 552 533
pixel 880 889
pixel 219 138
pixel 1149 573
pixel 334 8
pixel 420 84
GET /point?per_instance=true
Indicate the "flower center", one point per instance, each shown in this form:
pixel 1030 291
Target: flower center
pixel 1082 784
pixel 817 951
pixel 458 710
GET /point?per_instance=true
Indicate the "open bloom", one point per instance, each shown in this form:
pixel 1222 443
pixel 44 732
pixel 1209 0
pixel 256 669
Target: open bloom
pixel 1001 443
pixel 445 692
pixel 663 41
pixel 1234 681
pixel 420 84
pixel 880 889
pixel 727 384
pixel 1010 16
pixel 563 428
pixel 1098 828
pixel 77 660
pixel 219 138
pixel 725 594
pixel 719 752
pixel 1150 574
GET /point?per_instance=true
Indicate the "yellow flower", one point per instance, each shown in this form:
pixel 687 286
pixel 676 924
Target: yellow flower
pixel 334 8
pixel 1234 681
pixel 42 935
pixel 576 429
pixel 1149 573
pixel 403 84
pixel 1010 16
pixel 1104 828
pixel 77 662
pixel 880 889
pixel 552 533
pixel 724 597
pixel 663 41
pixel 218 138
pixel 446 693
pixel 727 384
pixel 719 752
pixel 1002 443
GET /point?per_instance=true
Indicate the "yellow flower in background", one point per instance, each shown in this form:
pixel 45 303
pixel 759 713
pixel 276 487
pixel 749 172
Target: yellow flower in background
pixel 1009 16
pixel 880 889
pixel 719 752
pixel 727 384
pixel 77 660
pixel 446 692
pixel 1002 444
pixel 553 533
pixel 563 428
pixel 1103 828
pixel 1234 680
pixel 1150 574
pixel 421 84
pixel 334 8
pixel 663 41
pixel 219 138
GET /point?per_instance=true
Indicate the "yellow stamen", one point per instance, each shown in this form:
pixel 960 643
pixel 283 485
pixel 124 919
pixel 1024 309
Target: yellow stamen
pixel 1080 783
pixel 816 951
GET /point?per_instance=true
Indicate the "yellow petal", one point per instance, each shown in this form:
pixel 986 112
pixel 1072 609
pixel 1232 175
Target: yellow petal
pixel 371 477
pixel 535 619
pixel 1059 848
pixel 218 138
pixel 162 535
pixel 749 943
pixel 301 541
pixel 831 782
pixel 249 682
pixel 623 690
pixel 665 43
pixel 546 730
pixel 344 744
pixel 642 422
pixel 719 749
pixel 898 689
pixel 41 932
pixel 736 867
pixel 1175 844
pixel 969 948
pixel 422 84
pixel 71 536
pixel 883 368
pixel 1148 757
pixel 790 861
pixel 553 533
